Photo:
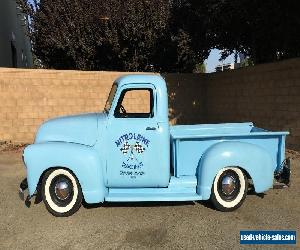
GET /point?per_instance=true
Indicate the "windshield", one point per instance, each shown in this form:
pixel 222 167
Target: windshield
pixel 110 98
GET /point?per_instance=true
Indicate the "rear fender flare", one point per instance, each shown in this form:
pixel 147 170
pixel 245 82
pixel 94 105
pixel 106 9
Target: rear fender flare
pixel 251 158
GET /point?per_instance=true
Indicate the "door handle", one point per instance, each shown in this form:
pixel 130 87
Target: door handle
pixel 151 128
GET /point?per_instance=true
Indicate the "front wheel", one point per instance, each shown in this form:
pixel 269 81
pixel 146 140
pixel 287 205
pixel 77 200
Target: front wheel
pixel 61 192
pixel 229 189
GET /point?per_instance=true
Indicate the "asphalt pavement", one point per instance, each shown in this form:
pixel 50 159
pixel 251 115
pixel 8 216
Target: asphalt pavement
pixel 168 225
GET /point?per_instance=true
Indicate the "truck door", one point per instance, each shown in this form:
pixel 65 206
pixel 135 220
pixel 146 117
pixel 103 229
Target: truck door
pixel 134 140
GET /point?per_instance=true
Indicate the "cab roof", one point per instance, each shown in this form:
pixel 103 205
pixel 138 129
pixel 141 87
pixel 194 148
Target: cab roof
pixel 155 79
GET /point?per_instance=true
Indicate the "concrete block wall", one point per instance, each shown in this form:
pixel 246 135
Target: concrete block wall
pixel 268 95
pixel 29 97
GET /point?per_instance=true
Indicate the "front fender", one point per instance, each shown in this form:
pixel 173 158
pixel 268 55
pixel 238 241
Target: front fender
pixel 82 160
pixel 252 158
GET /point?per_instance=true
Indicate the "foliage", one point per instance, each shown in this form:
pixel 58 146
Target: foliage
pixel 188 39
pixel 64 37
pixel 160 35
pixel 200 68
pixel 115 35
pixel 247 62
pixel 263 30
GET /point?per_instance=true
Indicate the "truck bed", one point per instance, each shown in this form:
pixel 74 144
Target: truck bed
pixel 189 142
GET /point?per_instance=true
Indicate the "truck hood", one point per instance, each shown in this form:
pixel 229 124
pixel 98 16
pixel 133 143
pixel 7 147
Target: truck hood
pixel 82 129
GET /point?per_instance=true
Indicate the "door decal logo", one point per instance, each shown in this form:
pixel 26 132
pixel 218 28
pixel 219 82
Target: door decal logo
pixel 133 149
pixel 132 146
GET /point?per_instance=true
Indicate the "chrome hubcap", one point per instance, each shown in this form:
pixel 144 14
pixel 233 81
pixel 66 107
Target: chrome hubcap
pixel 62 190
pixel 228 184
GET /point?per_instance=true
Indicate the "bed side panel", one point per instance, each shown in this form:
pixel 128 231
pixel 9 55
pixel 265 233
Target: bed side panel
pixel 188 152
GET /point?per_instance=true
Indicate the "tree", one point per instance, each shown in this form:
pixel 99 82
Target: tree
pixel 190 33
pixel 263 30
pixel 200 68
pixel 126 35
pixel 132 31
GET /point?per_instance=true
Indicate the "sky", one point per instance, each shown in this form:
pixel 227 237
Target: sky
pixel 213 60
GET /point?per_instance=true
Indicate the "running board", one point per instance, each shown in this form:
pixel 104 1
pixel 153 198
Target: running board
pixel 179 189
pixel 134 197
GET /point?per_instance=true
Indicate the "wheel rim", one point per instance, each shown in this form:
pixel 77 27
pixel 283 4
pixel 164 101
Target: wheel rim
pixel 229 185
pixel 61 190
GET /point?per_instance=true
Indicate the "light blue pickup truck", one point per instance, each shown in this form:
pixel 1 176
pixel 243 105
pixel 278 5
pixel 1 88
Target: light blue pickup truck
pixel 130 153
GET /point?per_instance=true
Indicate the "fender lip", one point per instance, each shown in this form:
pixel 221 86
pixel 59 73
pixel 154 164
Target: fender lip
pixel 23 159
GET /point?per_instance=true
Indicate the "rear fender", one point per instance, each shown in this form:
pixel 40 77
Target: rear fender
pixel 82 160
pixel 253 159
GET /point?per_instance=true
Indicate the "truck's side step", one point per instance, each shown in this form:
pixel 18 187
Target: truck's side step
pixel 127 197
pixel 179 189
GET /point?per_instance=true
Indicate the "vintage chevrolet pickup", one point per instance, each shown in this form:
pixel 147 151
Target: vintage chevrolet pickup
pixel 127 154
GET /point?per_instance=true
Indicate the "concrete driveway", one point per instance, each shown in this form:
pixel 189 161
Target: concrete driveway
pixel 186 225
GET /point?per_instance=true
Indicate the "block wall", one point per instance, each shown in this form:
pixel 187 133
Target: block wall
pixel 268 95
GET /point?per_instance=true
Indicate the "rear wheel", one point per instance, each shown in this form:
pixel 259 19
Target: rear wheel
pixel 61 192
pixel 229 189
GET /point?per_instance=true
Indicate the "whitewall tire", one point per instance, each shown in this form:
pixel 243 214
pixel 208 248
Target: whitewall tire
pixel 61 192
pixel 229 189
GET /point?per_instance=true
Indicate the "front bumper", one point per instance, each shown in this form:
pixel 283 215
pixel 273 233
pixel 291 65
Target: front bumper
pixel 283 174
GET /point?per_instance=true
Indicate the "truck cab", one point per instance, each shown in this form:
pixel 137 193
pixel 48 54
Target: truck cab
pixel 129 152
pixel 137 134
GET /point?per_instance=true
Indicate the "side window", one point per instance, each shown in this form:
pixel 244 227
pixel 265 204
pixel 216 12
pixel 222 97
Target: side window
pixel 135 103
